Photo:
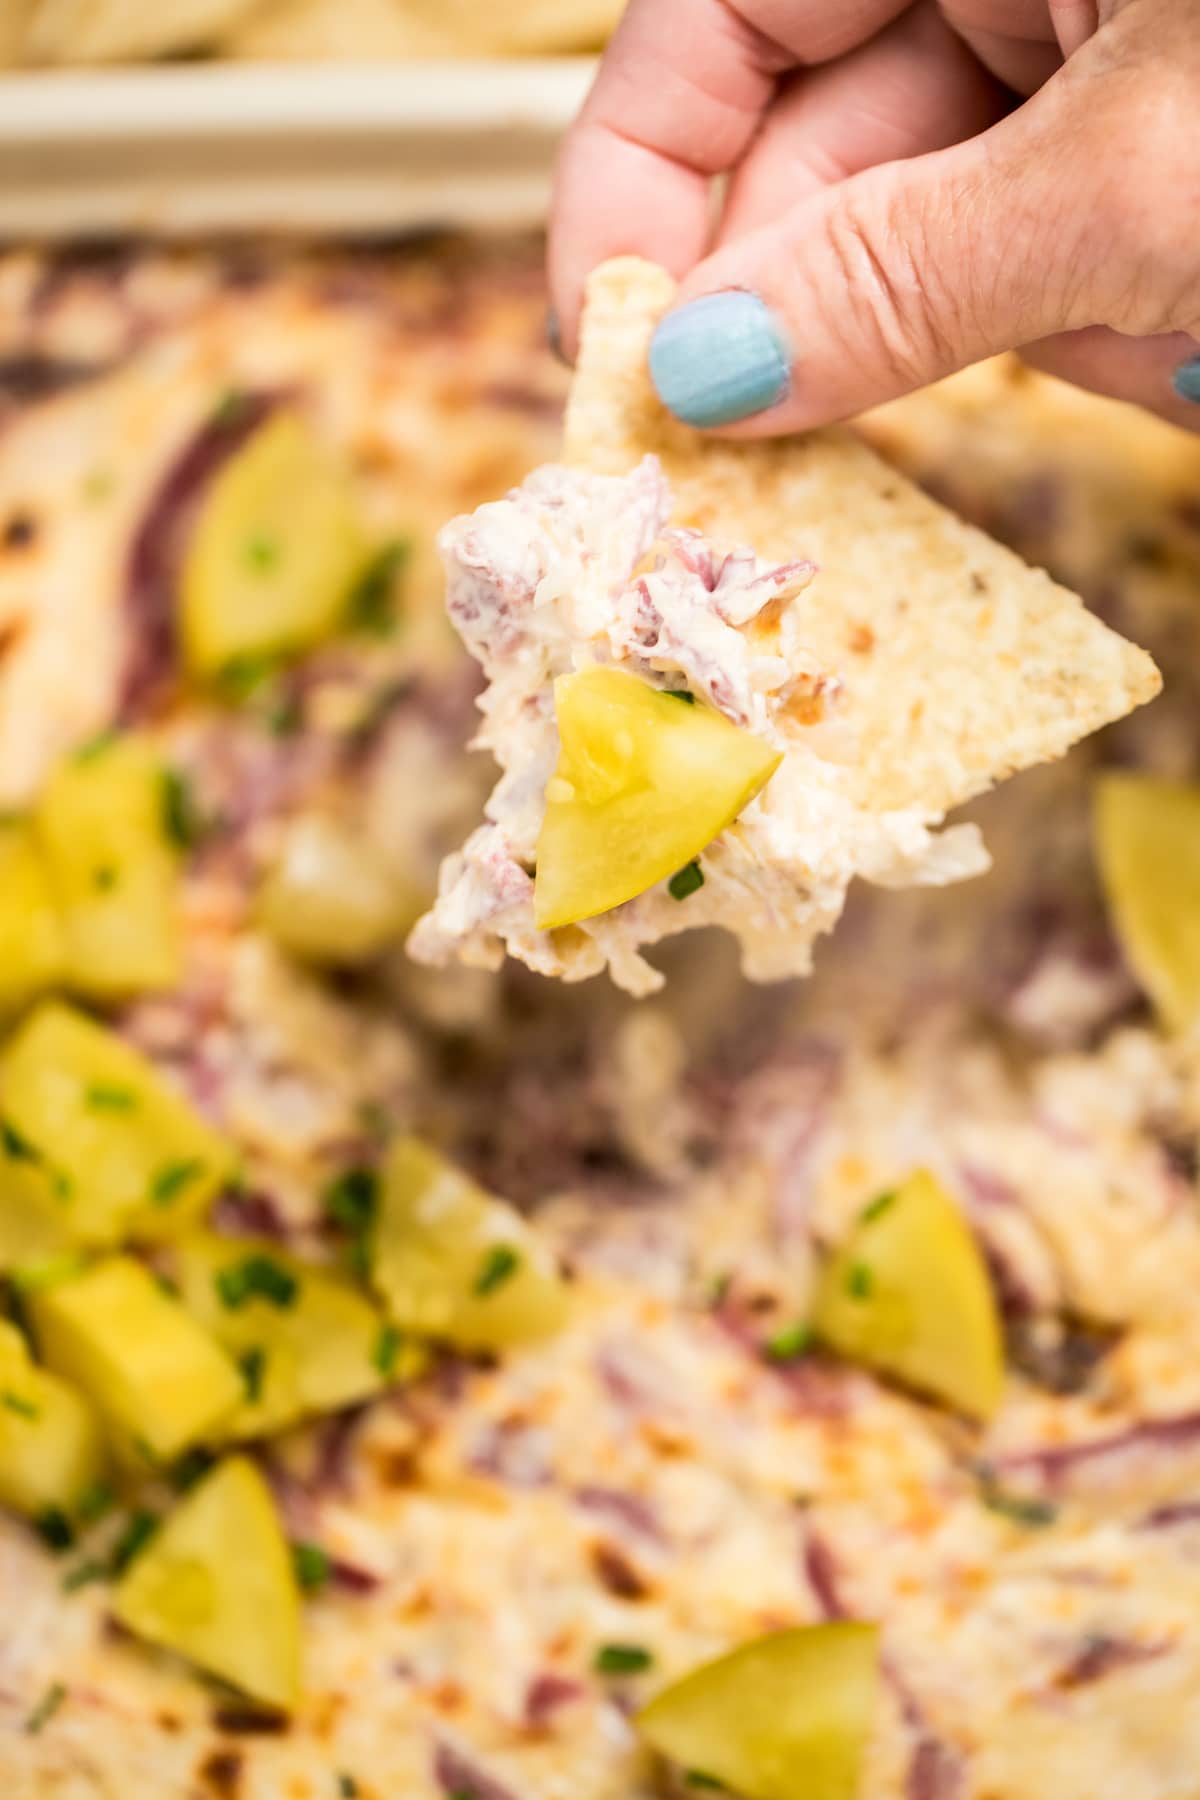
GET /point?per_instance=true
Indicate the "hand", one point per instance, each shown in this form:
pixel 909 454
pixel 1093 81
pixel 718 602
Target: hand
pixel 911 188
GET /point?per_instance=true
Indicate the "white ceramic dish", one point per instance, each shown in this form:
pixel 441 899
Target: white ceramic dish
pixel 339 148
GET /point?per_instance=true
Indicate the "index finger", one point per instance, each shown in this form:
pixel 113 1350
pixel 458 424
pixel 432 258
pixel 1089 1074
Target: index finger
pixel 678 99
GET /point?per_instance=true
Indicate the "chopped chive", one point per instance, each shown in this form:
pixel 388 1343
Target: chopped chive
pixel 859 1281
pixel 371 606
pixel 102 1097
pixel 17 1145
pixel 876 1208
pixel 688 698
pixel 105 878
pixel 230 407
pixel 172 1178
pixel 190 1468
pixel 687 881
pixel 83 1574
pixel 285 717
pixel 242 675
pixel 54 1528
pixel 386 1349
pixel 253 1364
pixel 35 1277
pixel 96 746
pixel 696 1778
pixel 351 1198
pixel 262 554
pixel 98 1500
pixel 621 1659
pixel 256 1277
pixel 347 1787
pixel 1022 1509
pixel 46 1708
pixel 311 1564
pixel 181 819
pixel 789 1343
pixel 718 1289
pixel 140 1529
pixel 498 1266
pixel 17 1403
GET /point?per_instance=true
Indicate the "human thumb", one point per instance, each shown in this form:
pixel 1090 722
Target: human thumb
pixel 875 286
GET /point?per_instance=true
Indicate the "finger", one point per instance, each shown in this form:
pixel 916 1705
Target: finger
pixel 1144 371
pixel 678 99
pixel 914 88
pixel 1015 39
pixel 889 280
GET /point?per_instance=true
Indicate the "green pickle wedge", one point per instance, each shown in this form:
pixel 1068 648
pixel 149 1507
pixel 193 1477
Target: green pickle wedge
pixel 644 781
pixel 275 553
pixel 215 1585
pixel 452 1262
pixel 306 1342
pixel 125 1154
pixel 159 1382
pixel 908 1293
pixel 786 1717
pixel 1147 833
pixel 112 869
pixel 330 898
pixel 34 955
pixel 51 1448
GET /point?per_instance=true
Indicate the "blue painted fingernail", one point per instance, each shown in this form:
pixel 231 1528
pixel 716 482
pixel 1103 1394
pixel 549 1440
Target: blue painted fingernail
pixel 554 335
pixel 1186 379
pixel 720 358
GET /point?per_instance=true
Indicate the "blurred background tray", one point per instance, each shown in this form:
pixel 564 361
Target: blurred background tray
pixel 346 149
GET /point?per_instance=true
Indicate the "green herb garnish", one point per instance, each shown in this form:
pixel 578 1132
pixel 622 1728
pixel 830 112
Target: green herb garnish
pixel 876 1208
pixel 54 1528
pixel 102 1097
pixel 96 1503
pixel 83 1574
pixel 253 1364
pixel 789 1343
pixel 621 1659
pixel 190 1468
pixel 351 1198
pixel 859 1281
pixel 387 1349
pixel 17 1403
pixel 371 606
pixel 96 746
pixel 172 1178
pixel 256 1277
pixel 347 1787
pixel 181 817
pixel 105 878
pixel 688 698
pixel 16 1145
pixel 498 1266
pixel 1022 1509
pixel 687 881
pixel 312 1566
pixel 133 1539
pixel 46 1708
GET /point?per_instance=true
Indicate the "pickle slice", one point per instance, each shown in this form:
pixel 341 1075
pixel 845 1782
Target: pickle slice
pixel 786 1717
pixel 51 1450
pixel 114 874
pixel 35 1223
pixel 306 1342
pixel 644 782
pixel 274 554
pixel 215 1585
pixel 32 949
pixel 1147 834
pixel 159 1382
pixel 452 1262
pixel 329 898
pixel 908 1293
pixel 125 1154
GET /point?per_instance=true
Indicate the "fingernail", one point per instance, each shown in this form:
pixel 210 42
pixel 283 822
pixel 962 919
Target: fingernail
pixel 720 358
pixel 1186 379
pixel 554 336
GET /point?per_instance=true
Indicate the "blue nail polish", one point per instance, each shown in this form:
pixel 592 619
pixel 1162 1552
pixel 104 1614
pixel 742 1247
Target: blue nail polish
pixel 554 335
pixel 1186 379
pixel 720 358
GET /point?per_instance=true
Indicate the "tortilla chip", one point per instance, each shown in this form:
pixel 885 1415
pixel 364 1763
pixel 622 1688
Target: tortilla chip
pixel 962 664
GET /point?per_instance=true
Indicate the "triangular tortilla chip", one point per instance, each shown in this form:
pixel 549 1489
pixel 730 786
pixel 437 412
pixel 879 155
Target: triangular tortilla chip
pixel 962 664
pixel 950 663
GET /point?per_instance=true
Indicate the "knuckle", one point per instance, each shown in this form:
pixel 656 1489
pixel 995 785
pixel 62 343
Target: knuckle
pixel 892 293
